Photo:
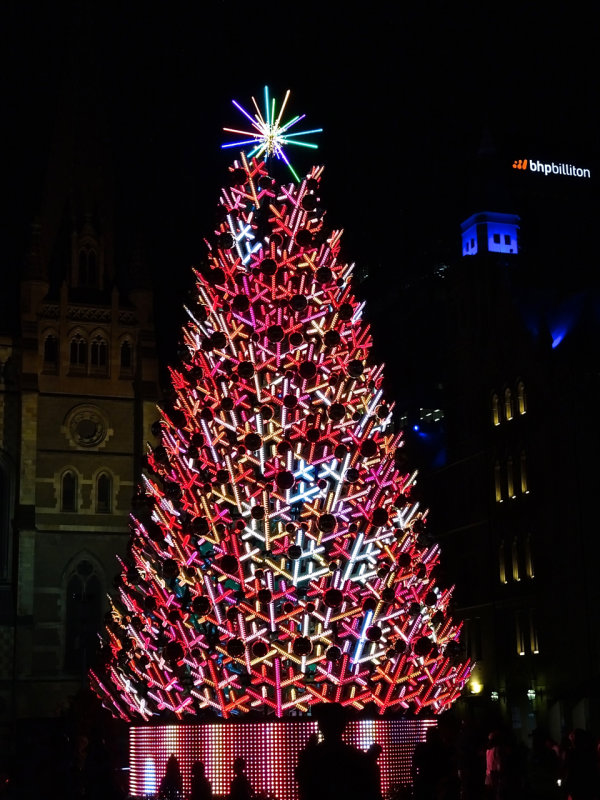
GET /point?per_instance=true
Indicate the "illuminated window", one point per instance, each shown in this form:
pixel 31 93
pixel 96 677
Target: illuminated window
pixel 508 406
pixel 83 616
pixel 68 495
pixel 502 562
pixel 497 482
pixel 99 354
pixel 528 557
pixel 510 483
pixel 524 486
pixel 104 494
pixel 515 560
pixel 495 409
pixel 78 351
pixel 521 398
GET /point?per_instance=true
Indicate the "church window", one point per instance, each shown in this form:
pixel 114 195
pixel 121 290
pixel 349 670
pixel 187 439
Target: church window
pixel 104 493
pixel 524 484
pixel 126 355
pixel 50 351
pixel 510 483
pixel 521 398
pixel 508 404
pixel 99 353
pixel 502 562
pixel 83 617
pixel 78 351
pixel 497 482
pixel 68 500
pixel 495 409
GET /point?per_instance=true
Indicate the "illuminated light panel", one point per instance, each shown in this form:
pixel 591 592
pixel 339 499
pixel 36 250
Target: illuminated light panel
pixel 277 559
pixel 269 134
pixel 270 748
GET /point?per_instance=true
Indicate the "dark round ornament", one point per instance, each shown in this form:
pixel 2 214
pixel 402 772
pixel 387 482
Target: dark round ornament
pixel 332 339
pixel 368 448
pixel 150 603
pixel 420 570
pixel 302 646
pixel 355 368
pixel 200 606
pixel 388 595
pixel 288 608
pixel 422 646
pixel 265 182
pixel 252 442
pixel 206 414
pixel 245 369
pixel 418 526
pixel 304 238
pixel 266 412
pixel 285 480
pixel 294 552
pixel 160 455
pixel 229 564
pixel 238 177
pixel 340 452
pixel 264 595
pixel 313 435
pixel 218 340
pixel 257 512
pixel 309 202
pixel 275 333
pixel 333 598
pixel 404 560
pixel 240 303
pixel 352 475
pixel 379 518
pixel 308 370
pixel 227 403
pixel 156 428
pixel 323 275
pixel 430 598
pixel 400 646
pixel 235 648
pixel 276 240
pixel 215 276
pixel 268 266
pixel 438 618
pixel 225 241
pixel 260 649
pixel 336 412
pixel 173 651
pixel 283 448
pixel 296 339
pixel 232 614
pixel 345 312
pixel 327 523
pixel 373 633
pixel 170 569
pixel 414 609
pixel 369 604
pixel 222 476
pixel 333 653
pixel 298 302
pixel 290 401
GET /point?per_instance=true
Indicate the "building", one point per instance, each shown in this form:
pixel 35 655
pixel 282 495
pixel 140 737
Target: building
pixel 78 390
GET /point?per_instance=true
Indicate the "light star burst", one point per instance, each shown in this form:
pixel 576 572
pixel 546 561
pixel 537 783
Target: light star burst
pixel 270 134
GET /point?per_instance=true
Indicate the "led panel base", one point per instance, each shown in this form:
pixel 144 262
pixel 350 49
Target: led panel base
pixel 270 749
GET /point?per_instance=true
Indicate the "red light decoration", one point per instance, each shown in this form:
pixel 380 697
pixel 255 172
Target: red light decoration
pixel 279 559
pixel 270 749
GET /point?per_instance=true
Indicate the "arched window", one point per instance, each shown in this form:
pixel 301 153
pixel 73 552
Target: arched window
pixel 83 617
pixel 104 493
pixel 508 404
pixel 524 484
pixel 50 351
pixel 495 409
pixel 68 491
pixel 510 483
pixel 99 354
pixel 126 355
pixel 78 352
pixel 497 482
pixel 521 398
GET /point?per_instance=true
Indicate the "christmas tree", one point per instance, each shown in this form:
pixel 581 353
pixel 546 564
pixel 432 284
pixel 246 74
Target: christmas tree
pixel 281 560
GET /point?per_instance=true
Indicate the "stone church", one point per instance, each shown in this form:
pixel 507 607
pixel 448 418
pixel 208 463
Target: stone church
pixel 78 392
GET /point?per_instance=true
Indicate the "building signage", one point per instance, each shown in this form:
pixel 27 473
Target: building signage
pixel 551 168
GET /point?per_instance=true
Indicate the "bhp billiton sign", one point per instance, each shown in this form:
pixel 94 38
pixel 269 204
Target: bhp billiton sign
pixel 551 169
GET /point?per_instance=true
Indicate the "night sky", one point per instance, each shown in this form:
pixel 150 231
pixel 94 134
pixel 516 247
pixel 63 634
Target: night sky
pixel 405 95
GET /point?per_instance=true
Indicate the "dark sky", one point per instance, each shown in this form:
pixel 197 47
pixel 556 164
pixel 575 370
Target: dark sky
pixel 404 95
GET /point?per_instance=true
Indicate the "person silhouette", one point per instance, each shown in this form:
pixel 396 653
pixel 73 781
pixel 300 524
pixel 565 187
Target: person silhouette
pixel 241 788
pixel 333 768
pixel 201 786
pixel 171 786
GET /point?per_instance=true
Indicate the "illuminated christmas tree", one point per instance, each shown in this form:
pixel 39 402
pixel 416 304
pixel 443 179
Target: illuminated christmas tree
pixel 281 560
